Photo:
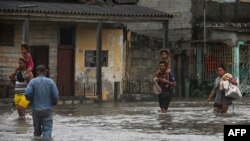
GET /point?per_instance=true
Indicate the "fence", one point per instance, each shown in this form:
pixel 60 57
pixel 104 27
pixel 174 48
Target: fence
pixel 244 70
pixel 138 90
pixel 138 87
pixel 205 60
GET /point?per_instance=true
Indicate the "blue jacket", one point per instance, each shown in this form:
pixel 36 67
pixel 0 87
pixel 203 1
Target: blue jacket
pixel 42 92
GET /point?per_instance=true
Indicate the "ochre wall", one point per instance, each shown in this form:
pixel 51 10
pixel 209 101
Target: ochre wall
pixel 112 40
pixel 46 33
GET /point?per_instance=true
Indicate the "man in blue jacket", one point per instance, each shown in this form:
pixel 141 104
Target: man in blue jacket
pixel 43 94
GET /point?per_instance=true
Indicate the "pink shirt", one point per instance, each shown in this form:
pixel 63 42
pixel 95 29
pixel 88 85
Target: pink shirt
pixel 30 63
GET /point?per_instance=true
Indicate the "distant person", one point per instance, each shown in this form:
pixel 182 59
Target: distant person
pixel 43 94
pixel 20 78
pixel 166 81
pixel 221 102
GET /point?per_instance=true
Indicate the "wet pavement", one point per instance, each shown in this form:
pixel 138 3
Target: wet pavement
pixel 132 121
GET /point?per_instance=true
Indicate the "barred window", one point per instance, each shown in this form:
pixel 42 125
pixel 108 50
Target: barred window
pixel 67 35
pixel 206 60
pixel 91 58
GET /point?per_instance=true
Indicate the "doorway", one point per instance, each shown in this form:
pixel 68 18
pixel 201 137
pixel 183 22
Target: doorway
pixel 65 61
pixel 65 77
pixel 40 56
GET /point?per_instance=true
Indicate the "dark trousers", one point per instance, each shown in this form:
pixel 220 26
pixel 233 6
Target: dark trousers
pixel 165 99
pixel 42 122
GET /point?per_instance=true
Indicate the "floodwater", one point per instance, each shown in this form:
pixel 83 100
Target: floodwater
pixel 192 120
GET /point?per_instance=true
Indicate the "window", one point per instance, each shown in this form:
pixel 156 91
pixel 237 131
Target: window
pixel 90 58
pixel 67 35
pixel 6 35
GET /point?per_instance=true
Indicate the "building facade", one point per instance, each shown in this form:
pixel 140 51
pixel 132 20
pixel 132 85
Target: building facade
pixel 83 43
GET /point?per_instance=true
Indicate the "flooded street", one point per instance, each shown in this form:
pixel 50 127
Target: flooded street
pixel 134 121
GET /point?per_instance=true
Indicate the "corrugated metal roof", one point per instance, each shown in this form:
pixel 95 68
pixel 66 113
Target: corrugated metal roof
pixel 127 11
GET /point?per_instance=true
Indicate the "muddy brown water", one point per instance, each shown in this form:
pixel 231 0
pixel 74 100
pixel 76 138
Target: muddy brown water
pixel 133 121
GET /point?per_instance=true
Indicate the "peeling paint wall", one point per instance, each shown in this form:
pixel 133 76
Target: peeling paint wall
pixel 46 33
pixel 112 40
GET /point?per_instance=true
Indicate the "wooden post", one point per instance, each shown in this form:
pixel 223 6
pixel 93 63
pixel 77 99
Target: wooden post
pixel 26 31
pixel 165 35
pixel 99 61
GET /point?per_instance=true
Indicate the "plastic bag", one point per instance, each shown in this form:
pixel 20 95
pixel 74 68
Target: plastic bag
pixel 156 87
pixel 233 92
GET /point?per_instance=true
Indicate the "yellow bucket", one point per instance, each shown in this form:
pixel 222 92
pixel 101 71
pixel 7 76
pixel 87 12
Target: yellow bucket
pixel 21 101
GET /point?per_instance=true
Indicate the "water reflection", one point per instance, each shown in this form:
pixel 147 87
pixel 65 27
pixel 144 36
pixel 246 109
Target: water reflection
pixel 22 126
pixel 165 121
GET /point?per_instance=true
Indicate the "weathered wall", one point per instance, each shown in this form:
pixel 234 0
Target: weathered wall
pixel 46 33
pixel 40 33
pixel 145 50
pixel 144 57
pixel 112 41
pixel 9 54
pixel 179 26
pixel 228 35
pixel 217 12
pixel 221 12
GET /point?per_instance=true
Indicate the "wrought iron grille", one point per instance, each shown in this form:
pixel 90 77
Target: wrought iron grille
pixel 244 69
pixel 208 58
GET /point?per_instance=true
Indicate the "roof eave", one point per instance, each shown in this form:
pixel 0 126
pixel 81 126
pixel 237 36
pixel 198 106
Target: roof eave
pixel 81 18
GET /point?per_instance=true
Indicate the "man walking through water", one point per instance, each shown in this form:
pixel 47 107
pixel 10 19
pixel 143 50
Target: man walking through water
pixel 166 81
pixel 43 94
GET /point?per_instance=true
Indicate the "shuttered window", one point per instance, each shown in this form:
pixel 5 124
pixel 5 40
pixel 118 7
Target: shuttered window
pixel 91 58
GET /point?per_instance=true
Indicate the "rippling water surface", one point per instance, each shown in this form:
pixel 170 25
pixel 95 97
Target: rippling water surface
pixel 135 121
